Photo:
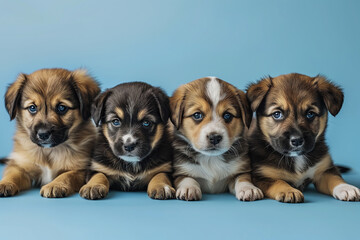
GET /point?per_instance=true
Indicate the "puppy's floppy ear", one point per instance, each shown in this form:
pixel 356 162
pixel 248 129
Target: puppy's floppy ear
pixel 86 89
pixel 332 95
pixel 246 113
pixel 162 101
pixel 98 107
pixel 13 95
pixel 257 91
pixel 177 106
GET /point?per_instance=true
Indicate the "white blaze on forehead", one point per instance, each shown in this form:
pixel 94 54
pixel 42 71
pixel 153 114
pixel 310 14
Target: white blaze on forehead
pixel 128 138
pixel 213 91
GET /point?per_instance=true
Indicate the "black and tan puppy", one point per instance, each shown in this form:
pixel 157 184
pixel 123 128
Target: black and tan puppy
pixel 288 149
pixel 133 151
pixel 211 154
pixel 54 134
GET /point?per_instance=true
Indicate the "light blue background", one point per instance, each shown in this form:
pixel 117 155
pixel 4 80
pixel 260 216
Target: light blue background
pixel 168 43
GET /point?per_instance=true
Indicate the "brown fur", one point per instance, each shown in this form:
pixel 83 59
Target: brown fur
pixel 132 104
pixel 66 161
pixel 196 168
pixel 277 170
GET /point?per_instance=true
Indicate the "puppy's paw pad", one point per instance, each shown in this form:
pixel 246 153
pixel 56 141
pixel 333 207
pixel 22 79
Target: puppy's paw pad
pixel 346 192
pixel 291 195
pixel 8 189
pixel 248 192
pixel 54 191
pixel 192 193
pixel 162 192
pixel 94 192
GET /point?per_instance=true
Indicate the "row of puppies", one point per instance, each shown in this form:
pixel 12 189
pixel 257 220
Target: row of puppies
pixel 205 146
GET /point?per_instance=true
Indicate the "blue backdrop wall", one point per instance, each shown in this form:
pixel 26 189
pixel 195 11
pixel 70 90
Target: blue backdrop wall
pixel 168 43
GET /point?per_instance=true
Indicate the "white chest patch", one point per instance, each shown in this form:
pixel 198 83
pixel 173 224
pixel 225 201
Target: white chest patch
pixel 46 175
pixel 212 172
pixel 309 173
pixel 300 163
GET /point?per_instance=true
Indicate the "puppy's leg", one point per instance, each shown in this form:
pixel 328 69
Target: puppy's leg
pixel 97 187
pixel 160 187
pixel 15 180
pixel 244 189
pixel 331 183
pixel 279 190
pixel 63 185
pixel 187 189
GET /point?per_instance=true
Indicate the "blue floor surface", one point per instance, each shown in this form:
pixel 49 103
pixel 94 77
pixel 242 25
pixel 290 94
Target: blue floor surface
pixel 133 215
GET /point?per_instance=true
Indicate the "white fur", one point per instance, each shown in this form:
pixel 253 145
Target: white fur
pixel 132 159
pixel 168 193
pixel 309 173
pixel 46 175
pixel 346 192
pixel 213 90
pixel 216 125
pixel 294 154
pixel 246 191
pixel 188 189
pixel 128 138
pixel 212 172
pixel 300 163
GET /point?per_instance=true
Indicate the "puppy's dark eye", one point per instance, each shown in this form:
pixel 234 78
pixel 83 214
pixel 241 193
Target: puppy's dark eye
pixel 146 123
pixel 116 122
pixel 310 115
pixel 198 116
pixel 61 109
pixel 278 115
pixel 32 109
pixel 228 117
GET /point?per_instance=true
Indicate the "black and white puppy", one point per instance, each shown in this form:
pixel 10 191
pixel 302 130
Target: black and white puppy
pixel 210 152
pixel 133 151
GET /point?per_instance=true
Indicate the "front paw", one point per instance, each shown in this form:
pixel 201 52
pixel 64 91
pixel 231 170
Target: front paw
pixel 346 192
pixel 94 192
pixel 290 195
pixel 8 189
pixel 161 192
pixel 189 193
pixel 246 191
pixel 55 190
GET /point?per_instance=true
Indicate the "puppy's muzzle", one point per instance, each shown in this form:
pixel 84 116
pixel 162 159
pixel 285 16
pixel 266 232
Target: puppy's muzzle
pixel 44 134
pixel 129 147
pixel 214 138
pixel 296 141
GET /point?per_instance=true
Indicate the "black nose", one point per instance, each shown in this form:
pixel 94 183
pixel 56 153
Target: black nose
pixel 296 141
pixel 43 134
pixel 130 147
pixel 214 138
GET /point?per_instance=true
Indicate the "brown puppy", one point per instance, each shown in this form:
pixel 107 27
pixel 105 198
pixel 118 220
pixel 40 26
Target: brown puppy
pixel 54 135
pixel 133 151
pixel 288 149
pixel 211 155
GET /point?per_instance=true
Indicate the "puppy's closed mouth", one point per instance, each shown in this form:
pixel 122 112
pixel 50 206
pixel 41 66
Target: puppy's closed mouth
pixel 293 153
pixel 130 158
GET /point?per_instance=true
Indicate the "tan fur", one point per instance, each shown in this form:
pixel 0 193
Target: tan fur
pixel 142 113
pixel 158 135
pixel 145 175
pixel 66 162
pixel 96 188
pixel 282 191
pixel 120 113
pixel 159 187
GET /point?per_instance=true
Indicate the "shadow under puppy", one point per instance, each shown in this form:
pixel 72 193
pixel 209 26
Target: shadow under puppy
pixel 210 152
pixel 288 149
pixel 54 134
pixel 133 150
